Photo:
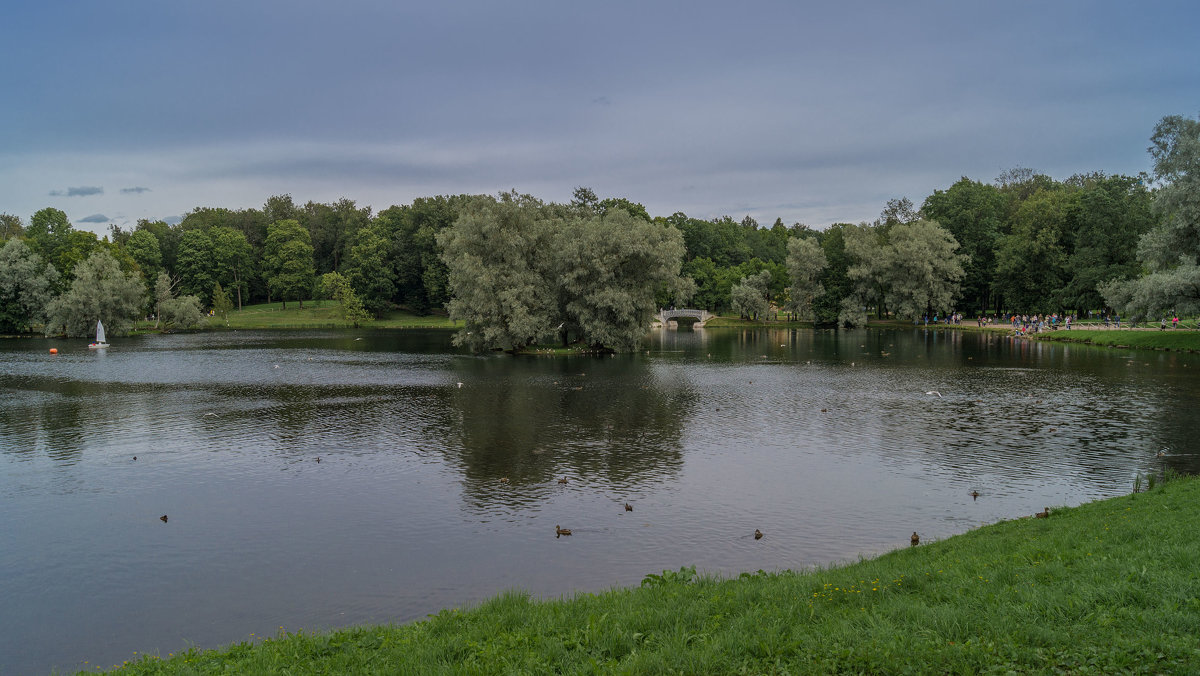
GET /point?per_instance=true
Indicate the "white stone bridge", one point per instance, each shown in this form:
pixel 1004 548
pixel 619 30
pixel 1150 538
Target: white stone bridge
pixel 675 314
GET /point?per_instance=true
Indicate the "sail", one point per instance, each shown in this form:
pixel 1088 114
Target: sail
pixel 99 331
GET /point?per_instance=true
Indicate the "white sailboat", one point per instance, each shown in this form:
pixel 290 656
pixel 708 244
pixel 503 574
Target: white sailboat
pixel 99 344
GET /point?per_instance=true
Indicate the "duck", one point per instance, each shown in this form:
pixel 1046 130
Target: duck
pixel 562 480
pixel 915 539
pixel 163 518
pixel 628 507
pixel 503 479
pixel 318 459
pixel 757 534
pixel 1161 454
pixel 1043 514
pixel 559 530
pixel 974 495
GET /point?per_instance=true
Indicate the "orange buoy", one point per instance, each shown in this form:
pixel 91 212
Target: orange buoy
pixel 54 350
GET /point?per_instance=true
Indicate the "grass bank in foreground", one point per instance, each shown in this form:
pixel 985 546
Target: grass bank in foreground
pixel 1171 339
pixel 1107 587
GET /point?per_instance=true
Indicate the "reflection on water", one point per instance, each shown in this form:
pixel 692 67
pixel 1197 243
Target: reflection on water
pixel 834 444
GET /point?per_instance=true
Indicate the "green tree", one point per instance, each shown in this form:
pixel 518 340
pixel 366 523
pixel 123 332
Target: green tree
pixel 10 227
pixel 233 259
pixel 222 303
pixel 1170 251
pixel 422 276
pixel 1031 262
pixel 834 279
pixel 196 263
pixel 288 261
pixel 145 250
pixel 331 228
pixel 100 291
pixel 1111 215
pixel 48 232
pixel 609 267
pixel 805 263
pixel 370 268
pixel 974 214
pixel 336 287
pixel 26 287
pixel 703 273
pixel 499 280
pixel 182 312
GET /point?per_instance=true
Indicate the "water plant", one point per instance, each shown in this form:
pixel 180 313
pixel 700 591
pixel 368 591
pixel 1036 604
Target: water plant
pixel 684 575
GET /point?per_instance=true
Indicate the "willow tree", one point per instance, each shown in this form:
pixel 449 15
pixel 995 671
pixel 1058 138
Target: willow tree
pixel 749 296
pixel 100 291
pixel 26 285
pixel 1170 251
pixel 499 275
pixel 925 269
pixel 608 269
pixel 912 269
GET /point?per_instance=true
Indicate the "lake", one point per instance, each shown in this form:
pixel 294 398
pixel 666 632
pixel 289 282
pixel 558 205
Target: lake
pixel 834 444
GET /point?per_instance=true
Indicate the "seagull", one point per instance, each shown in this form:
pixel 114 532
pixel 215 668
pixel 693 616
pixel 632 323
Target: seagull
pixel 934 392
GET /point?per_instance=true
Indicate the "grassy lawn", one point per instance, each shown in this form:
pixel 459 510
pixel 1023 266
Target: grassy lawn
pixel 736 321
pixel 1171 339
pixel 1107 587
pixel 318 315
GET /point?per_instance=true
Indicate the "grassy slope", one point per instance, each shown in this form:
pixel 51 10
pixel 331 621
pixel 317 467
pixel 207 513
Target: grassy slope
pixel 320 315
pixel 734 320
pixel 1170 339
pixel 1106 587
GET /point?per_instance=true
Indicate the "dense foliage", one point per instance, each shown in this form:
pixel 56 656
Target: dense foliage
pixel 511 266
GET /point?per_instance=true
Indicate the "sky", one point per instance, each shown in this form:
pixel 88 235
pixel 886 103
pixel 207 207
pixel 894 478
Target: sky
pixel 809 112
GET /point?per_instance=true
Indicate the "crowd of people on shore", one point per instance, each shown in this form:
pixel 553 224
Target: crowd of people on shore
pixel 1024 324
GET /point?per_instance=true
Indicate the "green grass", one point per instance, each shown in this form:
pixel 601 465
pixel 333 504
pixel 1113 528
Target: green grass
pixel 1107 587
pixel 318 315
pixel 736 321
pixel 1171 339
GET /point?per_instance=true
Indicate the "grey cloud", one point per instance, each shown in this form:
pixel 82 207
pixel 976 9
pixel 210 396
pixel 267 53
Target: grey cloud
pixel 80 191
pixel 137 189
pixel 95 218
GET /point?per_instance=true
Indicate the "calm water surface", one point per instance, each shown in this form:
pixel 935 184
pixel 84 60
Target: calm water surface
pixel 827 442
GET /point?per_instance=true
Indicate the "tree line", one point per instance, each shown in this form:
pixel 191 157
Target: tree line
pixel 517 270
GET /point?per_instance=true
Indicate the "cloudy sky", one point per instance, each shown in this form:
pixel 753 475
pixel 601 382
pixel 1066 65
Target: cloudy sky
pixel 809 112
